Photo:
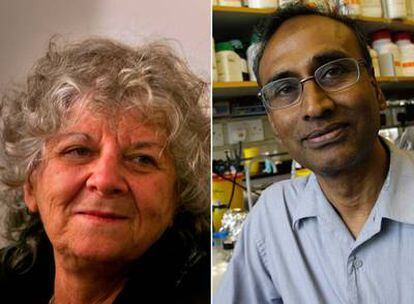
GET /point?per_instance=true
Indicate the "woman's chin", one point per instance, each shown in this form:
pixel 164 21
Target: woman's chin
pixel 98 251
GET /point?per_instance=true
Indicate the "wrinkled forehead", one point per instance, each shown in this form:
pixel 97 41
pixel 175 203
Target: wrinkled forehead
pixel 117 116
pixel 299 40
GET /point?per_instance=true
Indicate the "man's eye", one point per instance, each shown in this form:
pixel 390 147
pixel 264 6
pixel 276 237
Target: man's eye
pixel 284 89
pixel 334 72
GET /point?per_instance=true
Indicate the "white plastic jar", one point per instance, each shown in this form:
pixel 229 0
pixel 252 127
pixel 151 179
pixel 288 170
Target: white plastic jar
pixel 375 62
pixel 283 3
pixel 235 3
pixel 262 3
pixel 350 7
pixel 229 66
pixel 388 53
pixel 410 9
pixel 403 41
pixel 395 9
pixel 251 55
pixel 371 8
pixel 317 3
pixel 214 61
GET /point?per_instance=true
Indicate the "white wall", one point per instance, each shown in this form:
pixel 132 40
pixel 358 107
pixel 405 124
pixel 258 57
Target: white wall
pixel 27 25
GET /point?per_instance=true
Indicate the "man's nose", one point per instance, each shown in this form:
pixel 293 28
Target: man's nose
pixel 316 102
pixel 107 178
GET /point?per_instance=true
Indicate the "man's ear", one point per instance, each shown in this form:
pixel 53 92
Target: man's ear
pixel 381 100
pixel 29 197
pixel 269 117
pixel 378 92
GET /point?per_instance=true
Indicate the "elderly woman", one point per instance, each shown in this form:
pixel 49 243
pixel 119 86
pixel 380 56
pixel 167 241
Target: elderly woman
pixel 105 165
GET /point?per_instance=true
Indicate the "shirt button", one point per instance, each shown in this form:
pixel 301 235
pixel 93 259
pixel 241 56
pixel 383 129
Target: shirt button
pixel 357 263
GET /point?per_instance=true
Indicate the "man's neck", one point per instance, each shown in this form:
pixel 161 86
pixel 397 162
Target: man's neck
pixel 354 192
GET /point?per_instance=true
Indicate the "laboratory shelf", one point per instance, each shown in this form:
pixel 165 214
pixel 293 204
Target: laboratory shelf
pixel 233 22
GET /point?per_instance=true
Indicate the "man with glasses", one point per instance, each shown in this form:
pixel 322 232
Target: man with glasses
pixel 344 234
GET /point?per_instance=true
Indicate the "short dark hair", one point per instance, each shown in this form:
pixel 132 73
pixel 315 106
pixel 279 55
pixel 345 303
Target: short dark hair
pixel 270 25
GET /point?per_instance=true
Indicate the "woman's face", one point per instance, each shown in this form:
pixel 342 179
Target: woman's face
pixel 106 188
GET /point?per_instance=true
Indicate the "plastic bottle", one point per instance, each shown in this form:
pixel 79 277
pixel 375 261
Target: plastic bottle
pixel 235 3
pixel 350 7
pixel 214 62
pixel 229 66
pixel 283 3
pixel 388 53
pixel 239 49
pixel 403 40
pixel 394 9
pixel 410 9
pixel 371 8
pixel 251 55
pixel 262 3
pixel 375 62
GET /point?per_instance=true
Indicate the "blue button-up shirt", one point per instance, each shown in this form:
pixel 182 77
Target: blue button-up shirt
pixel 295 248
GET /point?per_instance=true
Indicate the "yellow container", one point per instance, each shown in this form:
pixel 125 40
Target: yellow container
pixel 252 165
pixel 222 189
pixel 218 212
pixel 302 172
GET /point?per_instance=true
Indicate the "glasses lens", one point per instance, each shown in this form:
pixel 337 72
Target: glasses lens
pixel 281 93
pixel 338 74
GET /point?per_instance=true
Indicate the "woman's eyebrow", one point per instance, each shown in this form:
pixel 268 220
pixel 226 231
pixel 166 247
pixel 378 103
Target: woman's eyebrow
pixel 73 135
pixel 140 144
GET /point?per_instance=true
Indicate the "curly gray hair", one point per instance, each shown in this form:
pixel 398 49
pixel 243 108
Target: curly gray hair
pixel 151 76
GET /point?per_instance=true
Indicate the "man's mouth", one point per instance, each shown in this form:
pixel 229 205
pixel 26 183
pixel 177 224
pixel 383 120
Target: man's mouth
pixel 322 136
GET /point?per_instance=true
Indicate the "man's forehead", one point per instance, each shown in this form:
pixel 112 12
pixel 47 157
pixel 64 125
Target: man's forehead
pixel 301 38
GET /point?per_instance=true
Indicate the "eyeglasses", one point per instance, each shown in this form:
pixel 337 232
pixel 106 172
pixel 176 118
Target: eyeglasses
pixel 333 76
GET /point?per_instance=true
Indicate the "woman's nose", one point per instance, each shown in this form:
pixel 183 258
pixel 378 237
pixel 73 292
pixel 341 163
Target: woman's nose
pixel 106 176
pixel 316 102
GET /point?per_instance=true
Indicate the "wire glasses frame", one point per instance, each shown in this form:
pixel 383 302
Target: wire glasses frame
pixel 333 76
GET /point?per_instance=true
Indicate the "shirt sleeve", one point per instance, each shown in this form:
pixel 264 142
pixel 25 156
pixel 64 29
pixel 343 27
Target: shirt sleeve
pixel 247 280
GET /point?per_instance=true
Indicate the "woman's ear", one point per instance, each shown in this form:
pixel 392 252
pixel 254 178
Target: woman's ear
pixel 29 197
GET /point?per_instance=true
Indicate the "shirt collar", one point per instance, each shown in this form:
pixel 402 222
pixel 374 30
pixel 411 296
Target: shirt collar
pixel 310 201
pixel 396 199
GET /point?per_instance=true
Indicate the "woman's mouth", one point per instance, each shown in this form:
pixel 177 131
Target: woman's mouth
pixel 109 217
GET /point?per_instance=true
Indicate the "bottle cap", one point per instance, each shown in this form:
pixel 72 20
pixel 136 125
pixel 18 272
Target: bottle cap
pixel 220 235
pixel 381 34
pixel 402 36
pixel 255 38
pixel 228 246
pixel 224 46
pixel 237 44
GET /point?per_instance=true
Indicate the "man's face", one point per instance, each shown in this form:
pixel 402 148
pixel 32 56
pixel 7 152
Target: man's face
pixel 326 132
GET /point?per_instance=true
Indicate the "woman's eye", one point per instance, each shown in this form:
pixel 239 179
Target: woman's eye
pixel 77 151
pixel 144 160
